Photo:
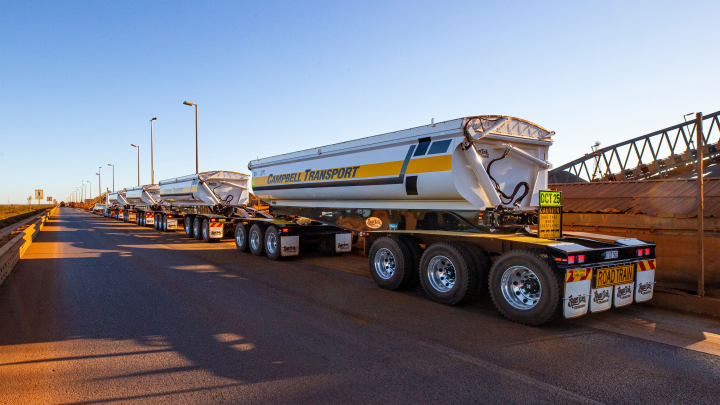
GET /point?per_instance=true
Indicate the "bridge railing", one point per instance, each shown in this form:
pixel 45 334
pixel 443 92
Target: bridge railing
pixel 666 153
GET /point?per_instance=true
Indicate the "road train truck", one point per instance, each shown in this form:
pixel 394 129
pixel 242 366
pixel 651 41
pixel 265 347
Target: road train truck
pixel 212 205
pixel 463 207
pixel 144 204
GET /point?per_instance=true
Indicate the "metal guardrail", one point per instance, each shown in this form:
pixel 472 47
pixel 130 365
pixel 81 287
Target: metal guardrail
pixel 14 245
pixel 662 154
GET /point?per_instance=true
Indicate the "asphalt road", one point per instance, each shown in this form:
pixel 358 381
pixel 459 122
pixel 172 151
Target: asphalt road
pixel 100 311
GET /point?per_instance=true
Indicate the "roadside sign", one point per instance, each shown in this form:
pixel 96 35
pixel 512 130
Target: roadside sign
pixel 38 194
pixel 550 215
pixel 49 199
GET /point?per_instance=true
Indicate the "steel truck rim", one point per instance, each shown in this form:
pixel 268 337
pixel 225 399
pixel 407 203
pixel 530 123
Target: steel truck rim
pixel 255 240
pixel 520 287
pixel 271 244
pixel 385 263
pixel 205 230
pixel 441 273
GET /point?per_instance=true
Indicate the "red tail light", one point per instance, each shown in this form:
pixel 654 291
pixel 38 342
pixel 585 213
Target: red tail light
pixel 571 259
pixel 647 251
pixel 581 258
pixel 285 230
pixel 213 220
pixel 640 252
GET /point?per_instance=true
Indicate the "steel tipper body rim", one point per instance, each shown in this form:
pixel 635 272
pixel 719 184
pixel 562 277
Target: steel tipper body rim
pixel 241 237
pixel 537 297
pixel 272 242
pixel 390 263
pixel 520 287
pixel 257 240
pixel 188 226
pixel 441 273
pixel 196 228
pixel 385 265
pixel 448 274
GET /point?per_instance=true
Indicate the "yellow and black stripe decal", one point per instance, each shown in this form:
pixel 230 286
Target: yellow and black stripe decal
pixel 366 175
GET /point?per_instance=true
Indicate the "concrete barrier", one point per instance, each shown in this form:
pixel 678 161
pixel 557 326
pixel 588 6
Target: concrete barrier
pixel 14 245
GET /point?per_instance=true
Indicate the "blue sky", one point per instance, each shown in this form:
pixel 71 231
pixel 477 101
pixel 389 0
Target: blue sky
pixel 79 81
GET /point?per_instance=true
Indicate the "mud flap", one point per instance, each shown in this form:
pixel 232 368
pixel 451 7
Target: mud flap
pixel 289 245
pixel 577 291
pixel 645 277
pixel 149 218
pixel 171 224
pixel 601 299
pixel 343 242
pixel 623 295
pixel 216 230
pixel 132 216
pixel 121 215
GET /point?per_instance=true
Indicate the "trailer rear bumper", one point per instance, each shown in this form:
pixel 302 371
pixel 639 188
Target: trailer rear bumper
pixel 586 289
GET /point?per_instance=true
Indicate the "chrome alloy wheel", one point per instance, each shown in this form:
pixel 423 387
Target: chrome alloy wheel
pixel 520 287
pixel 255 240
pixel 441 273
pixel 271 243
pixel 384 264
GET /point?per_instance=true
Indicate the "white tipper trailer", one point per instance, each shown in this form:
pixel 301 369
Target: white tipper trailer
pixel 115 205
pixel 453 205
pixel 213 204
pixel 144 203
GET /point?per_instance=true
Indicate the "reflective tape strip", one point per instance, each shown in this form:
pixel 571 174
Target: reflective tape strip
pixel 216 224
pixel 646 265
pixel 578 275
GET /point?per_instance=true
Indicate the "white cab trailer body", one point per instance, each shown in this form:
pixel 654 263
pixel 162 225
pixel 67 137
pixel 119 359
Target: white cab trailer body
pixel 451 203
pixel 219 191
pixel 206 189
pixel 145 200
pixel 428 167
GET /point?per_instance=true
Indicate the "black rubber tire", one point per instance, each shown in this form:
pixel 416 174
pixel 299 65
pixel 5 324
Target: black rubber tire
pixel 481 263
pixel 260 249
pixel 465 274
pixel 550 304
pixel 403 273
pixel 156 223
pixel 163 223
pixel 244 246
pixel 197 228
pixel 269 252
pixel 188 226
pixel 326 246
pixel 415 253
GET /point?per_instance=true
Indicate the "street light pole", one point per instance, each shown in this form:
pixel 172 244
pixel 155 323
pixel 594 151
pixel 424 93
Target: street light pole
pixel 89 189
pixel 197 170
pixel 99 181
pixel 113 166
pixel 152 167
pixel 132 144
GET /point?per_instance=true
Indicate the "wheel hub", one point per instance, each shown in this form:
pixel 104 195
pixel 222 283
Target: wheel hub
pixel 384 263
pixel 441 273
pixel 521 287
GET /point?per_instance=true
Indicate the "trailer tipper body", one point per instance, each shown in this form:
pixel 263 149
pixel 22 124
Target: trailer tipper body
pixel 144 203
pixel 214 204
pixel 452 205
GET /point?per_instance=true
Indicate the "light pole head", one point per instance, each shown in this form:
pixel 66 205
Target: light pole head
pixel 97 174
pixel 188 103
pixel 110 164
pixel 153 119
pixel 132 144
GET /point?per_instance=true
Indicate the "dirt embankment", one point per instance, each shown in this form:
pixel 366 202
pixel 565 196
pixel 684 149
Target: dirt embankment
pixel 10 214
